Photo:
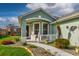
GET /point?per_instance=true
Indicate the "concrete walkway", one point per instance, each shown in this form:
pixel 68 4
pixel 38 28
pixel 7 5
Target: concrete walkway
pixel 52 50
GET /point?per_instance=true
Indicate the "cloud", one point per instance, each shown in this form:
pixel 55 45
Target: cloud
pixel 53 8
pixel 13 20
pixel 2 19
pixel 37 5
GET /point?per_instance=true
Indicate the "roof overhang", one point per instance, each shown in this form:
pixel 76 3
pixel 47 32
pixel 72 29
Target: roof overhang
pixel 66 18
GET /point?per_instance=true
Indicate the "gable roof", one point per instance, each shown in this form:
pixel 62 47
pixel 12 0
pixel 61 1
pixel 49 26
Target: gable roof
pixel 33 11
pixel 67 17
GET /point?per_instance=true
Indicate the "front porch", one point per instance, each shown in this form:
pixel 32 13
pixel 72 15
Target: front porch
pixel 38 30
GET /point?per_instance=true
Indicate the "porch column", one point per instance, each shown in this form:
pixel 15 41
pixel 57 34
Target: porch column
pixel 40 30
pixel 50 29
pixel 23 31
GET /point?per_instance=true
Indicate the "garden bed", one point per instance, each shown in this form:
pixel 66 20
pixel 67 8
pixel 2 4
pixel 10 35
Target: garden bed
pixel 9 40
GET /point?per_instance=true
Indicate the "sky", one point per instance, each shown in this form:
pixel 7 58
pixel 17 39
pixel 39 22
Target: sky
pixel 9 12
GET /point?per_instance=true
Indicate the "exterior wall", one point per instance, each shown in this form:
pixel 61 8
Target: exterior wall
pixel 23 31
pixel 74 35
pixel 52 29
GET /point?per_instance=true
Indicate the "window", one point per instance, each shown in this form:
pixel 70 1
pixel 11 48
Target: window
pixel 45 28
pixel 36 29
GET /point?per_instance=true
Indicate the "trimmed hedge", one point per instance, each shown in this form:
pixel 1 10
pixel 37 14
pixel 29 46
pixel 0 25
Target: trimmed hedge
pixel 61 43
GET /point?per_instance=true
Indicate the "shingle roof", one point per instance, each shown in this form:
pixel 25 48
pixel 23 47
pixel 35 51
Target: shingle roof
pixel 67 17
pixel 30 12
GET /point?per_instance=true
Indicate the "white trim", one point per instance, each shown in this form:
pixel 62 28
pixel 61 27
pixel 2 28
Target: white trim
pixel 47 29
pixel 32 19
pixel 34 24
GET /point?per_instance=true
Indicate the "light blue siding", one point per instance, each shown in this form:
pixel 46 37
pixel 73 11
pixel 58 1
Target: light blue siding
pixel 52 29
pixel 36 14
pixel 23 28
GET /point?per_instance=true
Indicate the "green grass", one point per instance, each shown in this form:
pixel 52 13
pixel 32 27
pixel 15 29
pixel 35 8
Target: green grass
pixel 9 38
pixel 13 51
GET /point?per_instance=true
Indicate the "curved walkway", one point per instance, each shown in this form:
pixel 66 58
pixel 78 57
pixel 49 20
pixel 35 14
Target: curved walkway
pixel 52 50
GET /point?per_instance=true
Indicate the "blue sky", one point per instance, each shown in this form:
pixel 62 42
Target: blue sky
pixel 10 11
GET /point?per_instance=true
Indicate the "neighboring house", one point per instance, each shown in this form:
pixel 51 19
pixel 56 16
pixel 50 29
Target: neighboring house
pixel 3 32
pixel 13 30
pixel 69 27
pixel 38 25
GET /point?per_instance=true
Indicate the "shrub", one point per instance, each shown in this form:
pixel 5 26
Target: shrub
pixel 72 47
pixel 24 44
pixel 17 39
pixel 61 43
pixel 7 42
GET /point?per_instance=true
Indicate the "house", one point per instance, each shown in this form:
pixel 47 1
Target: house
pixel 36 26
pixel 3 32
pixel 13 30
pixel 39 25
pixel 69 27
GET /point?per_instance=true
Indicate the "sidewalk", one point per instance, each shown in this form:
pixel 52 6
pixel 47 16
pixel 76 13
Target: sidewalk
pixel 52 50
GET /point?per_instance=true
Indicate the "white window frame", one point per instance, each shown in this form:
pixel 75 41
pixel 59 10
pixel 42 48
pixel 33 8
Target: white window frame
pixel 47 29
pixel 34 26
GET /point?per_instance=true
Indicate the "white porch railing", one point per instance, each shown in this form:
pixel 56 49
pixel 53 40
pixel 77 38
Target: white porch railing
pixel 42 38
pixel 49 37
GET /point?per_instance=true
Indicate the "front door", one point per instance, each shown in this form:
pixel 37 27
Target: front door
pixel 27 30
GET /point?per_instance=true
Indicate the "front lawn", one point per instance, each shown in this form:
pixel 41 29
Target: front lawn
pixel 13 51
pixel 9 38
